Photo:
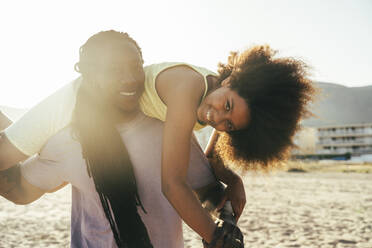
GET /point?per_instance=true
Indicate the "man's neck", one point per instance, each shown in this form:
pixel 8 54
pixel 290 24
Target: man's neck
pixel 124 117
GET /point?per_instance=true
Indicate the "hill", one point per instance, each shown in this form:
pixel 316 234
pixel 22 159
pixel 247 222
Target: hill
pixel 339 104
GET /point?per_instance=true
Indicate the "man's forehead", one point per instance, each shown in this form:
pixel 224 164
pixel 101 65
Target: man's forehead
pixel 110 49
pixel 119 57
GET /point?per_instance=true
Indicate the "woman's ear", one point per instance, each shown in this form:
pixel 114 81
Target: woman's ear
pixel 226 82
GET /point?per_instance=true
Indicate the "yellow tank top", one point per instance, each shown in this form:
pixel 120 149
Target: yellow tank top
pixel 150 102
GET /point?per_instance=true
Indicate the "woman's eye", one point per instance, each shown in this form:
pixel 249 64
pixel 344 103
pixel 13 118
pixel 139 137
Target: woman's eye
pixel 227 106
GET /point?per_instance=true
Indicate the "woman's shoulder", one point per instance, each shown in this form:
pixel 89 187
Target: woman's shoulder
pixel 180 76
pixel 177 67
pixel 180 82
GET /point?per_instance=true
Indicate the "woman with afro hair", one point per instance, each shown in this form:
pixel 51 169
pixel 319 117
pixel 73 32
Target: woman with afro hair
pixel 277 92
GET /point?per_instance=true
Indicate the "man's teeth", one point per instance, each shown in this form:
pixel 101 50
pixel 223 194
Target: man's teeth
pixel 124 93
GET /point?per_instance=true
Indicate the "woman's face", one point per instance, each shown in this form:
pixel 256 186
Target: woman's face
pixel 120 76
pixel 224 109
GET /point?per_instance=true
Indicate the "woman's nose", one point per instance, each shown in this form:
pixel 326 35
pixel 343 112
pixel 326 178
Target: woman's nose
pixel 127 78
pixel 128 81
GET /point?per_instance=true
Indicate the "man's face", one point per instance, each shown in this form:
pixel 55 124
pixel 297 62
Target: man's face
pixel 120 76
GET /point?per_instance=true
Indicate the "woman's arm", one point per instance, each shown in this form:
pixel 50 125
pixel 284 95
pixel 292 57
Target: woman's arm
pixel 234 191
pixel 182 98
pixel 235 188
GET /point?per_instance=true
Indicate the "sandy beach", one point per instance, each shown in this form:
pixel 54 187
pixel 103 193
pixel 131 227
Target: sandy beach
pixel 302 209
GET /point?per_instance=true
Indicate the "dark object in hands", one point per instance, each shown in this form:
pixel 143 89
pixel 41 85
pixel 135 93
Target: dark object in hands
pixel 226 236
pixel 227 233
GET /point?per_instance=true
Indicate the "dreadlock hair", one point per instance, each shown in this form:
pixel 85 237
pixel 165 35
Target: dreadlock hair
pixel 277 92
pixel 106 156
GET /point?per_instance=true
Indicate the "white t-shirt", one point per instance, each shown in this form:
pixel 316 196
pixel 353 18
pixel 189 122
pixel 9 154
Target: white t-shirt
pixel 61 160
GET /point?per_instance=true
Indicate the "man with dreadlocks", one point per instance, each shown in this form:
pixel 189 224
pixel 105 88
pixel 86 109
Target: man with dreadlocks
pixel 92 153
pixel 255 105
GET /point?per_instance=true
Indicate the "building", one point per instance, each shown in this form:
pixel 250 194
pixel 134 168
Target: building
pixel 355 139
pixel 305 140
pixel 341 142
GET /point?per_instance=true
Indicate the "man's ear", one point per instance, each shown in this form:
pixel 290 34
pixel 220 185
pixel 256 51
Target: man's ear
pixel 77 67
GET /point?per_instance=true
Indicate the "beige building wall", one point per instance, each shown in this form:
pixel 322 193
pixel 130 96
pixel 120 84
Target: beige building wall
pixel 306 140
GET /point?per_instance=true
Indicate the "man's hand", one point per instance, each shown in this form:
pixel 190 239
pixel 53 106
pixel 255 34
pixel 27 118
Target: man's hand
pixel 15 188
pixel 9 180
pixel 235 193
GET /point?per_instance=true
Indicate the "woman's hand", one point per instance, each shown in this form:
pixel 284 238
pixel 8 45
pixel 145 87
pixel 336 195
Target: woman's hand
pixel 235 193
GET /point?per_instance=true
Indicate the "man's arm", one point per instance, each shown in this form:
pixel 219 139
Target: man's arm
pixel 9 154
pixel 15 188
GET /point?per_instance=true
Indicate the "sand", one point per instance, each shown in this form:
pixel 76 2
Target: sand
pixel 283 210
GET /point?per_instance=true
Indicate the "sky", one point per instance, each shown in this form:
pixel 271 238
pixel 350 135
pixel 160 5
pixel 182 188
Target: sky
pixel 40 39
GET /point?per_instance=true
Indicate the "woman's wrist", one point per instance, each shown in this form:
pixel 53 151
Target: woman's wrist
pixel 233 178
pixel 215 235
pixel 226 235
